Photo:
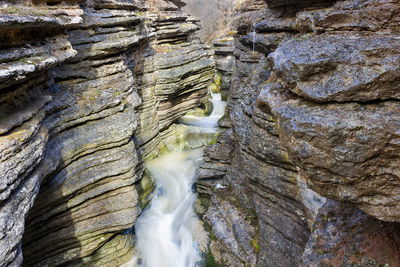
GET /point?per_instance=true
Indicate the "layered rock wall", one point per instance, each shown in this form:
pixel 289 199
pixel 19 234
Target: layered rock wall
pixel 86 90
pixel 313 111
pixel 89 89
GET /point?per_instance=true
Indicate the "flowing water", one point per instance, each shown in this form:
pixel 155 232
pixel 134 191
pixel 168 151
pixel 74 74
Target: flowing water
pixel 166 231
pixel 212 120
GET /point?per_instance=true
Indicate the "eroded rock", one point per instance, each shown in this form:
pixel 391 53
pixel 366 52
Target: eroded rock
pixel 340 68
pixel 71 94
pixel 319 118
pixel 346 152
pixel 343 235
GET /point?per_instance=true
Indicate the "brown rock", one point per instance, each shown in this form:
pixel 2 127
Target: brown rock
pixel 345 236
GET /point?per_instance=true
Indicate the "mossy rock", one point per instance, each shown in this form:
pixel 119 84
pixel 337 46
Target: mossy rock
pixel 214 88
pixel 145 188
pixel 255 245
pixel 197 112
pixel 217 79
pixel 210 261
pixel 208 107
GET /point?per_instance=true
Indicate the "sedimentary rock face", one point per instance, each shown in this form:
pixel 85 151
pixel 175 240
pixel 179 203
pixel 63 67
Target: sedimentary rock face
pixel 82 88
pixel 89 89
pixel 297 3
pixel 344 235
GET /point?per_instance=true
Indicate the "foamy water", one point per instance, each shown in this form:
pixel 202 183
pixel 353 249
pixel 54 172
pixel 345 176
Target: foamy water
pixel 212 120
pixel 167 232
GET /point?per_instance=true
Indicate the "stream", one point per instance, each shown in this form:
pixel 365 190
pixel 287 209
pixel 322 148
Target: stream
pixel 166 231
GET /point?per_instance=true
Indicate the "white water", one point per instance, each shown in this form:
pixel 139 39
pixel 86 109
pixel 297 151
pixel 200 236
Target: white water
pixel 166 232
pixel 212 120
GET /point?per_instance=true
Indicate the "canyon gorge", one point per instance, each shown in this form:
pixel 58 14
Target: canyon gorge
pixel 127 140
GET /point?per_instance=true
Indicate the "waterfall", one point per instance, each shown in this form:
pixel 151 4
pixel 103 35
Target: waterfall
pixel 166 232
pixel 212 120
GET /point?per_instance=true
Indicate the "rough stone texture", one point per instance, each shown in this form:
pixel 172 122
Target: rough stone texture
pixel 343 120
pixel 118 4
pixel 225 62
pixel 350 15
pixel 260 177
pixel 313 105
pixel 115 252
pixel 21 17
pixel 297 3
pixel 88 171
pixel 216 161
pixel 340 68
pixel 362 15
pixel 313 102
pixel 235 240
pixel 345 236
pixel 23 137
pixel 346 152
pixel 70 102
pixel 174 75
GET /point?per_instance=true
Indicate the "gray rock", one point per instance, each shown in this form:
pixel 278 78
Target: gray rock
pixel 297 3
pixel 340 68
pixel 259 175
pixel 72 127
pixel 345 152
pixel 235 238
pixel 24 65
pixel 349 15
pixel 20 17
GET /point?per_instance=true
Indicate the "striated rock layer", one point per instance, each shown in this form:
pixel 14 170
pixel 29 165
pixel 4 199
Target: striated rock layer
pixel 313 111
pixel 86 90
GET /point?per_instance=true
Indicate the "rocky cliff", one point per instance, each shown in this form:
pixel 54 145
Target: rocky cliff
pixel 313 113
pixel 87 90
pixel 305 174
